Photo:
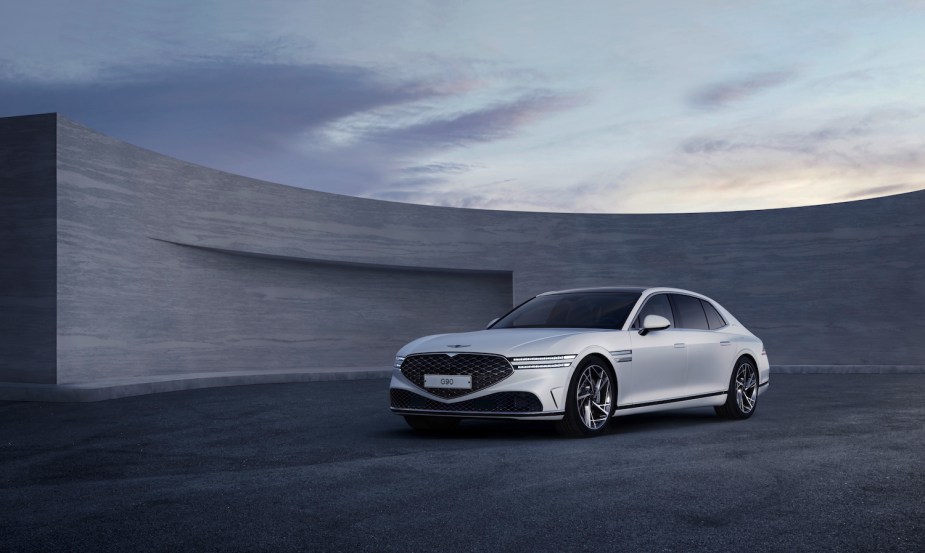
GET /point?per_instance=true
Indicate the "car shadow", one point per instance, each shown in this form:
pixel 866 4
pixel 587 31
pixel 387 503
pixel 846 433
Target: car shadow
pixel 665 420
pixel 493 429
pixel 479 429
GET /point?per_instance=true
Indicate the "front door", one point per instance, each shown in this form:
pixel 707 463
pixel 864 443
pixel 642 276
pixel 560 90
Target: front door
pixel 659 366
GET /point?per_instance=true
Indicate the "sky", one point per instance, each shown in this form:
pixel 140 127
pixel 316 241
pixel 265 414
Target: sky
pixel 613 107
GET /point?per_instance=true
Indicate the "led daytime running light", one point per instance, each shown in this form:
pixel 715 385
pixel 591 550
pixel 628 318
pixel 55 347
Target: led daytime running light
pixel 543 362
pixel 544 358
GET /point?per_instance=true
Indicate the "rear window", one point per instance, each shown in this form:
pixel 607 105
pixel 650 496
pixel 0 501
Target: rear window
pixel 690 312
pixel 714 319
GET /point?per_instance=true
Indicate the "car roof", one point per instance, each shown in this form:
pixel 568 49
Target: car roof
pixel 635 289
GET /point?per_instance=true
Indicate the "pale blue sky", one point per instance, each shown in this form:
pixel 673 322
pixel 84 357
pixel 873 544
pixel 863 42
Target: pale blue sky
pixel 656 106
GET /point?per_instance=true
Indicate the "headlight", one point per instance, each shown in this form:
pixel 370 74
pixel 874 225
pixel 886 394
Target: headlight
pixel 398 362
pixel 543 362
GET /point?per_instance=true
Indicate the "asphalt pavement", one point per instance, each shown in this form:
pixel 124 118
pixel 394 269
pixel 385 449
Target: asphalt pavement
pixel 827 463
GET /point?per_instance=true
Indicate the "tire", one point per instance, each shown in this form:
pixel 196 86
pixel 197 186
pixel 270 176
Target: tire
pixel 431 424
pixel 742 398
pixel 590 400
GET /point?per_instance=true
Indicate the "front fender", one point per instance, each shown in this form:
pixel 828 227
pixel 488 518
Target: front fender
pixel 584 354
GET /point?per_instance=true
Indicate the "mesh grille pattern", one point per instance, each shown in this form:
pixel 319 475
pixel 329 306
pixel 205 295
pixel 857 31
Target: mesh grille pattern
pixel 502 402
pixel 485 370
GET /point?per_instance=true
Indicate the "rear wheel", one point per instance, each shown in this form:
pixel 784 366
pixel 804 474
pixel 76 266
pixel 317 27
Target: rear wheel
pixel 431 424
pixel 742 398
pixel 590 400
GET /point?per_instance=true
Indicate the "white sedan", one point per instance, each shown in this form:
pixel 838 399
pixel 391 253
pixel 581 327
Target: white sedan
pixel 582 357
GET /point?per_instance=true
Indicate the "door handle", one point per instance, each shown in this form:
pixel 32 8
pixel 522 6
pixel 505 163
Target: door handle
pixel 725 343
pixel 679 345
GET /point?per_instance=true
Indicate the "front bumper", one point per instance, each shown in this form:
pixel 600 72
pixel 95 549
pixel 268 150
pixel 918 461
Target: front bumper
pixel 546 386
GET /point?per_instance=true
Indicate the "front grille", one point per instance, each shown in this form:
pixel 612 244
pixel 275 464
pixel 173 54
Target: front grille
pixel 485 370
pixel 502 402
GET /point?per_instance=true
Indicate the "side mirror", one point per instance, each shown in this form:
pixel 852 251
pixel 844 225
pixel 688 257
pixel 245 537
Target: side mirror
pixel 493 321
pixel 653 322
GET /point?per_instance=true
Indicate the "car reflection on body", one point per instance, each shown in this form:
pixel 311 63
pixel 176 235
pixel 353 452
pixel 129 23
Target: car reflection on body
pixel 581 357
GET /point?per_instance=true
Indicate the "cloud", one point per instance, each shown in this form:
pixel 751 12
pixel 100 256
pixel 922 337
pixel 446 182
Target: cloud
pixel 870 127
pixel 399 136
pixel 480 125
pixel 843 158
pixel 427 126
pixel 705 145
pixel 413 179
pixel 722 94
pixel 242 105
pixel 436 168
pixel 272 120
pixel 885 190
pixel 253 118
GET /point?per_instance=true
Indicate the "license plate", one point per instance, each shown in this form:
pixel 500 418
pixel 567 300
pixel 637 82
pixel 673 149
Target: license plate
pixel 455 381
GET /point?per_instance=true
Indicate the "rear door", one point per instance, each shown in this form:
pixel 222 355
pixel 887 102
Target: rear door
pixel 707 349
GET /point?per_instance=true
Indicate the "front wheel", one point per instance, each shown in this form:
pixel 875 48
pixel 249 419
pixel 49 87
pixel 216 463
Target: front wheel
pixel 742 397
pixel 590 401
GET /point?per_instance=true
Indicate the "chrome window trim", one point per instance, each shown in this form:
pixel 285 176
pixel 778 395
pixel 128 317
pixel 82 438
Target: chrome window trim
pixel 635 324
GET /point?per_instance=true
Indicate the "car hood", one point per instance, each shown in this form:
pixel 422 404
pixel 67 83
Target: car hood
pixel 508 342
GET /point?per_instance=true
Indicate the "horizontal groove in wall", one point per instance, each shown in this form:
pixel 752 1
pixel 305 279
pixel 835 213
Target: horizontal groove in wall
pixel 848 369
pixel 336 262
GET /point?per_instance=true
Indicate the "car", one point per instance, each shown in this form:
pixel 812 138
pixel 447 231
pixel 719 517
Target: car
pixel 582 357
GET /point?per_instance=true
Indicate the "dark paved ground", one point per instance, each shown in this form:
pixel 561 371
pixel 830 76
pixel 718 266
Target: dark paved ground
pixel 827 463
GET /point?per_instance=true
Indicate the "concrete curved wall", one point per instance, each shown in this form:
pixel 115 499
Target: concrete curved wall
pixel 164 267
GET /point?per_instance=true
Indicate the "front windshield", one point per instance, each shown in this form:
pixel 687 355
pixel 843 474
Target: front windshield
pixel 572 310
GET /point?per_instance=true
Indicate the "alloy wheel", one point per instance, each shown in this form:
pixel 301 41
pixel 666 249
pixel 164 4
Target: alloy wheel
pixel 746 387
pixel 594 395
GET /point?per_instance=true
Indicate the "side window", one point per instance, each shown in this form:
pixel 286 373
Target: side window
pixel 690 312
pixel 656 305
pixel 714 319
